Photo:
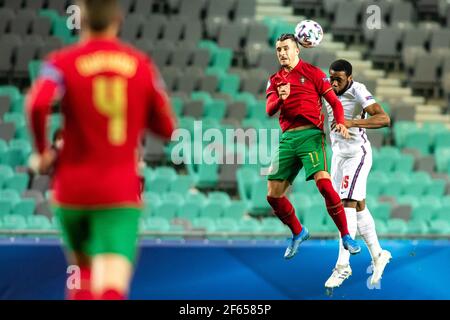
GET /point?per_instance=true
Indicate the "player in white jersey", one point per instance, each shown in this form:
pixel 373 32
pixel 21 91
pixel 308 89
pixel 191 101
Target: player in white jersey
pixel 350 167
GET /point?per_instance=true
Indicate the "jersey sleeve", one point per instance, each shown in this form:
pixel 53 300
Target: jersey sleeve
pixel 161 119
pixel 48 87
pixel 321 81
pixel 363 96
pixel 270 87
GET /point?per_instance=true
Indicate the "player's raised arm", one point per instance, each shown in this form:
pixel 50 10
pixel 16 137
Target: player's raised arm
pixel 161 119
pixel 378 118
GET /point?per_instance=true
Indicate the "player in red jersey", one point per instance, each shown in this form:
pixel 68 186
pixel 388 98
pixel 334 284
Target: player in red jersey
pixel 110 94
pixel 296 91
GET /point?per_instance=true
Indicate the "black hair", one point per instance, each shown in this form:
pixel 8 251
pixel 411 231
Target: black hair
pixel 288 36
pixel 342 65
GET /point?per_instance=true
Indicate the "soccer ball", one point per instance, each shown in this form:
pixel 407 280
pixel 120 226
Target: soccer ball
pixel 309 31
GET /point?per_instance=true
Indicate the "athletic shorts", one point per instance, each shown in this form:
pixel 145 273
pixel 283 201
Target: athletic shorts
pixel 349 174
pixel 93 232
pixel 297 150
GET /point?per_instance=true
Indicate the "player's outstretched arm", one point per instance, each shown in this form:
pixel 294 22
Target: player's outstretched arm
pixel 338 112
pixel 378 118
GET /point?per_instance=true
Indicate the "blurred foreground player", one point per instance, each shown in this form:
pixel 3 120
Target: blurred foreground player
pixel 110 93
pixel 351 163
pixel 296 91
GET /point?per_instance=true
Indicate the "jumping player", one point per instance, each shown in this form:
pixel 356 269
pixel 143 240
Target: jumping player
pixel 295 91
pixel 351 163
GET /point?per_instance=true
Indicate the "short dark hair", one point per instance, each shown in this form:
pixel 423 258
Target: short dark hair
pixel 100 13
pixel 288 36
pixel 342 65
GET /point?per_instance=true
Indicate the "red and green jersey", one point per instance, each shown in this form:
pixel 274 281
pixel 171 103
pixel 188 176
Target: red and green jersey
pixel 110 93
pixel 308 84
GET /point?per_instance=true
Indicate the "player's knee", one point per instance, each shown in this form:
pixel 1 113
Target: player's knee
pixel 275 189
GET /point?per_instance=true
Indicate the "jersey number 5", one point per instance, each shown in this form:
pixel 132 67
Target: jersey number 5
pixel 110 99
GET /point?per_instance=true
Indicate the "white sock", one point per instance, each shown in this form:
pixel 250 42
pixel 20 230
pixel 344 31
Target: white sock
pixel 366 228
pixel 344 255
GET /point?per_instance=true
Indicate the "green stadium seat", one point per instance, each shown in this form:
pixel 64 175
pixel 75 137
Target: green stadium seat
pixel 11 195
pixel 397 226
pixel 197 197
pixel 11 91
pixel 419 182
pixel 14 222
pixel 205 223
pixel 6 172
pixel 411 200
pixel 417 227
pixel 258 201
pixel 436 187
pixel 280 28
pixel 182 184
pixel 156 224
pixel 158 185
pixel 219 196
pixel 205 175
pixel 6 206
pixel 215 109
pixel 34 67
pixel 401 130
pixel 387 158
pixel 300 200
pixel 213 209
pixel 442 158
pixel 3 152
pixel 224 225
pixel 236 209
pixel 442 213
pixel 201 96
pixel 375 187
pixel 177 105
pixel 222 58
pixel 174 197
pixel 441 227
pixel 166 209
pixel 257 110
pixel 405 163
pixel 38 222
pixel 423 212
pixel 249 225
pixel 189 210
pixel 382 211
pixel 442 140
pixel 25 207
pixel 229 84
pixel 61 31
pixel 381 227
pixel 17 118
pixel 165 172
pixel 246 97
pixel 245 179
pixel 252 123
pixel 18 182
pixel 418 140
pixel 314 218
pixel 151 201
pixel 19 105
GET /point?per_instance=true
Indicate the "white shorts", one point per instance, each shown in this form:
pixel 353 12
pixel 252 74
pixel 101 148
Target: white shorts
pixel 349 174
